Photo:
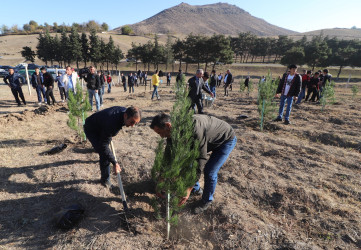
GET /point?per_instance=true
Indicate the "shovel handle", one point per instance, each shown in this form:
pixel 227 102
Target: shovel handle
pixel 120 183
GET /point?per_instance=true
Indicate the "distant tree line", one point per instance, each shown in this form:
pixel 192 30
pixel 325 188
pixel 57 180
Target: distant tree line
pixel 74 47
pixel 33 27
pixel 320 51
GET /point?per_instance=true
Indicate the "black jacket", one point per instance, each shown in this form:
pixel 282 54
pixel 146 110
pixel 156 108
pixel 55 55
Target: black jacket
pixel 130 80
pixel 229 79
pixel 104 125
pixel 93 81
pixel 213 81
pixel 124 80
pixel 295 85
pixel 48 80
pixel 193 88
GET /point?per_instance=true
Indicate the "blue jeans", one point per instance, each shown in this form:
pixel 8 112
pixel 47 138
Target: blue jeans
pixel 131 88
pixel 213 165
pixel 96 95
pixel 301 95
pixel 109 87
pixel 155 91
pixel 213 90
pixel 40 90
pixel 282 107
pixel 101 93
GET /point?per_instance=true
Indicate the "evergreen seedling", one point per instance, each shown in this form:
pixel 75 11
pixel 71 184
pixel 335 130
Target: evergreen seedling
pixel 328 95
pixel 78 107
pixel 354 90
pixel 175 166
pixel 266 104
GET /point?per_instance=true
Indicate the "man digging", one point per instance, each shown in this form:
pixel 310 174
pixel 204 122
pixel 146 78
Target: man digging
pixel 101 127
pixel 215 136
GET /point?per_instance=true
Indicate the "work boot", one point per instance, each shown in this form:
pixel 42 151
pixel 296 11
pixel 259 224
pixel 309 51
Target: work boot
pixel 278 119
pixel 202 206
pixel 197 192
pixel 106 184
pixel 287 122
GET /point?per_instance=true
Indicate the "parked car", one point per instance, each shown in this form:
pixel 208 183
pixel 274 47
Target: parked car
pixel 131 60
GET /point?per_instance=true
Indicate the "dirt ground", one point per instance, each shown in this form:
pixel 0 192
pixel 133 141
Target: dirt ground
pixel 289 187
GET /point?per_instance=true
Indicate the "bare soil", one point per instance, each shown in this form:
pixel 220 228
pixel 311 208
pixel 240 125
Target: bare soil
pixel 289 187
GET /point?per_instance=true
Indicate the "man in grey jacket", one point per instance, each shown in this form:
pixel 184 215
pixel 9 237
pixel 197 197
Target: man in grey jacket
pixel 215 136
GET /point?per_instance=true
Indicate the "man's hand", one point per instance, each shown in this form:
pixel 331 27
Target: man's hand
pixel 96 91
pixel 185 198
pixel 212 94
pixel 277 95
pixel 116 169
pixel 295 98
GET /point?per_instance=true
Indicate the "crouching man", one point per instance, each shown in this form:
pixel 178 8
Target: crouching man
pixel 101 127
pixel 215 136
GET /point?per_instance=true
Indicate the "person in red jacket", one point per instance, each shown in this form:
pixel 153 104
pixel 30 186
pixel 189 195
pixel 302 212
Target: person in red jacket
pixel 109 81
pixel 305 79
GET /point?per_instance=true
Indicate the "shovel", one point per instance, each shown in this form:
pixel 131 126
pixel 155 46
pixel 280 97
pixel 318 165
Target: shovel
pixel 124 201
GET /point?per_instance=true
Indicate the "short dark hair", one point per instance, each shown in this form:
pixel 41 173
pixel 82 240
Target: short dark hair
pixel 292 66
pixel 160 120
pixel 68 67
pixel 309 72
pixel 326 71
pixel 213 71
pixel 133 112
pixel 206 75
pixel 317 73
pixel 42 68
pixel 156 71
pixel 36 67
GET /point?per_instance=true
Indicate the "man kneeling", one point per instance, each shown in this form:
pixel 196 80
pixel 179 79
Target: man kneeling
pixel 101 127
pixel 214 135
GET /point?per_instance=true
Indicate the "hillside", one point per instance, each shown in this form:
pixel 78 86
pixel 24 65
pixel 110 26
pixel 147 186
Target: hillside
pixel 341 33
pixel 220 18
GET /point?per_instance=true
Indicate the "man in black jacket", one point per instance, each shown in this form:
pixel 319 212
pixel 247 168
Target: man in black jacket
pixel 124 81
pixel 227 82
pixel 15 81
pixel 101 127
pixel 213 82
pixel 196 84
pixel 289 88
pixel 49 84
pixel 93 85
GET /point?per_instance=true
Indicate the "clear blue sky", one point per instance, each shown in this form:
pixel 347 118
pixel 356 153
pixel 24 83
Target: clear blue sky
pixel 301 16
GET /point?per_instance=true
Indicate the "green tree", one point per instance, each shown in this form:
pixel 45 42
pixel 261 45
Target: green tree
pixel 94 50
pixel 126 30
pixel 135 52
pixel 175 167
pixel 78 107
pixel 179 51
pixel 317 52
pixel 4 29
pixel 221 50
pixel 266 104
pixel 295 55
pixel 109 50
pixel 158 53
pixel 168 52
pixel 75 48
pixel 84 48
pixel 283 44
pixel 116 57
pixel 65 46
pixel 105 27
pixel 28 54
pixel 328 95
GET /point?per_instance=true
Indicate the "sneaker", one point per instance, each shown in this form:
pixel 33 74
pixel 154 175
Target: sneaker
pixel 197 192
pixel 106 184
pixel 287 122
pixel 39 103
pixel 202 206
pixel 62 101
pixel 278 119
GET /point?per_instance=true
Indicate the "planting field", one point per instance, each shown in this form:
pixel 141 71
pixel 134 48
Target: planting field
pixel 289 187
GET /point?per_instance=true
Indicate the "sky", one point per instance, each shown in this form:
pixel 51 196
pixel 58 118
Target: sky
pixel 300 16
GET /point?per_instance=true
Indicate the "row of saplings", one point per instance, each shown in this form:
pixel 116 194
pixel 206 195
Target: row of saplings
pixel 181 157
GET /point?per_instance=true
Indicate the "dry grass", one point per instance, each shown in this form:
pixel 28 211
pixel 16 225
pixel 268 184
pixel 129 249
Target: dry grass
pixel 295 187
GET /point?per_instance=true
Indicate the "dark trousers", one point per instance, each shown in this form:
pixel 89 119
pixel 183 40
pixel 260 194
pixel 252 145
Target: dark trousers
pixel 314 93
pixel 199 104
pixel 49 93
pixel 104 164
pixel 62 93
pixel 125 86
pixel 168 82
pixel 18 92
pixel 131 87
pixel 226 89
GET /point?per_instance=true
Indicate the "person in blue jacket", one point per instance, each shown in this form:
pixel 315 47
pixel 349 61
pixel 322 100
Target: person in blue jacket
pixel 15 81
pixel 100 127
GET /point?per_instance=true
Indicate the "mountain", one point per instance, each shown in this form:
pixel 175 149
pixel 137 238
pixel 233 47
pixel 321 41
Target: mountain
pixel 341 33
pixel 219 18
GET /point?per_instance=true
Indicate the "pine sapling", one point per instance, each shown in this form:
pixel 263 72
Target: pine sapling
pixel 175 166
pixel 78 107
pixel 266 104
pixel 328 95
pixel 354 90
